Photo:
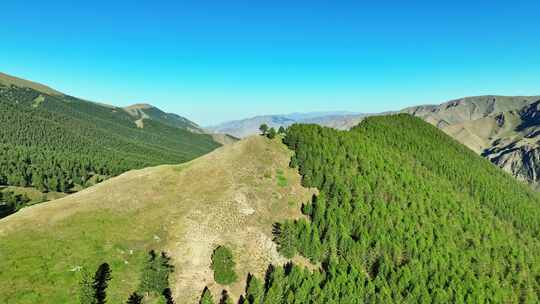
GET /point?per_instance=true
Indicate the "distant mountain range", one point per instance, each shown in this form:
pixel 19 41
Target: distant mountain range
pixel 504 129
pixel 249 126
pixel 395 198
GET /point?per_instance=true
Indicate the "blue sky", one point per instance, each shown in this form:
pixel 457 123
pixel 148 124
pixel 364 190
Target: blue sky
pixel 213 61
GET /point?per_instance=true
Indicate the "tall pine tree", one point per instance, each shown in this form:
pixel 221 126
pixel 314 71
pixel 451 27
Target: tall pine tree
pixel 101 282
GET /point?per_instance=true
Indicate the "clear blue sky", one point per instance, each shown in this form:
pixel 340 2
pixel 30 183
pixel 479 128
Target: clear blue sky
pixel 219 60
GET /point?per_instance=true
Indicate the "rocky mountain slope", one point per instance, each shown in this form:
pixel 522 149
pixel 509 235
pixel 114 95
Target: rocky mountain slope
pixel 503 129
pixel 231 196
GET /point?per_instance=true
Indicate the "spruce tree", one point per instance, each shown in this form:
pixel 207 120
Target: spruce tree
pixel 285 237
pixel 207 297
pixel 263 128
pixel 225 298
pixel 167 294
pixel 135 298
pixel 101 279
pixel 155 273
pixel 86 291
pixel 223 266
pixel 148 273
pixel 254 290
pixel 271 133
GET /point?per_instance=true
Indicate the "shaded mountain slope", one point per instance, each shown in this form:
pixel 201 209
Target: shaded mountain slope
pixel 230 196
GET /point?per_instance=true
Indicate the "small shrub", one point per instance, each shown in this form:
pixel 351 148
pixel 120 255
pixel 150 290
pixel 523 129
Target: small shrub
pixel 223 266
pixel 281 180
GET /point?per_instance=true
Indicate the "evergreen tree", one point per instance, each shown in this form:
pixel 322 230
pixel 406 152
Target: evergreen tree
pixel 167 295
pixel 207 297
pixel 86 290
pixel 225 298
pixel 271 133
pixel 286 239
pixel 155 273
pixel 135 298
pixel 263 128
pixel 101 282
pixel 254 290
pixel 223 265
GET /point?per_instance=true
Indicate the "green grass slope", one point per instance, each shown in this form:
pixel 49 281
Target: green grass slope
pixel 231 197
pixel 56 142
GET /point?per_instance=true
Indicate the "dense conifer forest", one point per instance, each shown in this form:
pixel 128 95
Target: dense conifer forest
pixel 61 143
pixel 404 215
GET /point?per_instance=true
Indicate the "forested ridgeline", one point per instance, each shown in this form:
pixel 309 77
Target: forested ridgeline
pixel 58 142
pixel 405 215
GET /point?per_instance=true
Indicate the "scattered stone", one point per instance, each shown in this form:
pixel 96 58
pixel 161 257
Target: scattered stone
pixel 76 268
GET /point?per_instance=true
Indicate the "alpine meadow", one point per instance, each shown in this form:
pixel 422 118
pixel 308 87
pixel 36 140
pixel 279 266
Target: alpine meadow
pixel 240 152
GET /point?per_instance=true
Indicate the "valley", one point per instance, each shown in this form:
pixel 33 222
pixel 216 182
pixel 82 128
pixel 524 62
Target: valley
pixel 503 129
pixel 338 208
pixel 269 152
pixel 228 197
pixel 57 143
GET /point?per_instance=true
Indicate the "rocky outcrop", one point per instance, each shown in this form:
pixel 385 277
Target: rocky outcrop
pixel 521 159
pixel 505 130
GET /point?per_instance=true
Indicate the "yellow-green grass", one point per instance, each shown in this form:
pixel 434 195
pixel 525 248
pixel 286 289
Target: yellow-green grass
pixel 33 194
pixel 185 210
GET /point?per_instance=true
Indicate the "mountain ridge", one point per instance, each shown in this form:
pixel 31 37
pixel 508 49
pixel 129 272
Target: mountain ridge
pixel 56 142
pixel 388 205
pixel 228 196
pixel 503 129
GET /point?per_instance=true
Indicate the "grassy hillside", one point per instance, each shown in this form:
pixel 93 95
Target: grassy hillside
pixel 56 142
pixel 230 197
pixel 405 215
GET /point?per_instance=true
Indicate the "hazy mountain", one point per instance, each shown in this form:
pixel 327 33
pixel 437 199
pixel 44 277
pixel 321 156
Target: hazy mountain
pixel 245 127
